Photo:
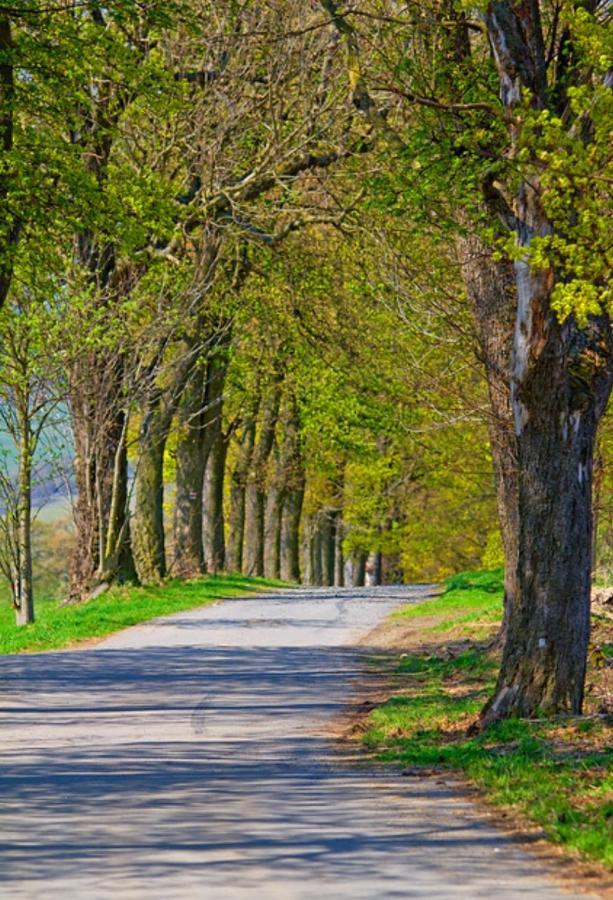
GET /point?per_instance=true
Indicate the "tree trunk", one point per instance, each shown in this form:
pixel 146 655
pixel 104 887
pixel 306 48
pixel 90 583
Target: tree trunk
pixel 215 449
pixel 544 660
pixel 190 461
pixel 214 534
pixel 378 569
pixel 103 551
pixel 305 550
pixel 561 381
pixel 360 558
pixel 490 286
pixel 315 554
pixel 328 546
pixel 290 491
pixel 339 559
pixel 117 560
pixel 25 592
pixel 149 546
pixel 255 506
pixel 272 531
pixel 290 535
pixel 255 500
pixel 391 569
pixel 199 422
pixel 237 497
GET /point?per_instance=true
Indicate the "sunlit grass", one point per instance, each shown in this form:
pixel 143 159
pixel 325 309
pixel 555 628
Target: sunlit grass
pixel 60 626
pixel 556 773
pixel 469 597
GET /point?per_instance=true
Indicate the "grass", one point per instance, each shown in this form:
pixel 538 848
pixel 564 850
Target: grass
pixel 558 774
pixel 61 626
pixel 471 602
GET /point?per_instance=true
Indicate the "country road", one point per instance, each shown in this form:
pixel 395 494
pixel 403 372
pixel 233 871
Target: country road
pixel 187 758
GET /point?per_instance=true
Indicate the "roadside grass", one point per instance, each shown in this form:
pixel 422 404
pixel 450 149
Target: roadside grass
pixel 59 626
pixel 557 774
pixel 471 604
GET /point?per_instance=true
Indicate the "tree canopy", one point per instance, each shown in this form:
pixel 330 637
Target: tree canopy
pixel 319 293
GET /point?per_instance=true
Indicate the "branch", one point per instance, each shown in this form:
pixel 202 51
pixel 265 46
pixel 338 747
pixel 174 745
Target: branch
pixel 303 221
pixel 436 104
pixel 359 91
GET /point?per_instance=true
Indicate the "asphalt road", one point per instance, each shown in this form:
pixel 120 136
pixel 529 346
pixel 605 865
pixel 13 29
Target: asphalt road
pixel 186 759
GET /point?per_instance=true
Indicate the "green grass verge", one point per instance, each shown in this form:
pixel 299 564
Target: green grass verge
pixel 60 626
pixel 471 603
pixel 557 773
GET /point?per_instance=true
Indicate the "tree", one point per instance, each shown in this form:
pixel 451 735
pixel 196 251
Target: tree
pixel 553 86
pixel 29 396
pixel 562 349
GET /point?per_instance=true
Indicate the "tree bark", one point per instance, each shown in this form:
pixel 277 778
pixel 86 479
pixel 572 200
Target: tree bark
pixel 272 532
pixel 290 533
pixel 237 497
pixel 214 532
pixel 339 558
pixel 544 660
pixel 103 551
pixel 328 546
pixel 290 484
pixel 25 592
pixel 360 558
pixel 490 285
pixel 149 542
pixel 315 554
pixel 561 381
pixel 190 461
pixel 200 420
pixel 255 500
pixel 215 449
pixel 377 569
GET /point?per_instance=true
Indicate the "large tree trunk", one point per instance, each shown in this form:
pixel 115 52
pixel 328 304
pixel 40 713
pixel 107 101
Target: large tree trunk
pixel 339 558
pixel 238 486
pixel 199 422
pixel 562 378
pixel 290 533
pixel 328 546
pixel 272 532
pixel 544 660
pixel 287 498
pixel 320 558
pixel 103 551
pixel 316 575
pixel 190 461
pixel 159 410
pixel 214 532
pixel 359 559
pixel 215 448
pixel 255 508
pixel 490 286
pixel 255 500
pixel 149 547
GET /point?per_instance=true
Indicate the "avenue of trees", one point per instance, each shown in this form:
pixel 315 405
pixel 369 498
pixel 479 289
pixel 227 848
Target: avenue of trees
pixel 316 291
